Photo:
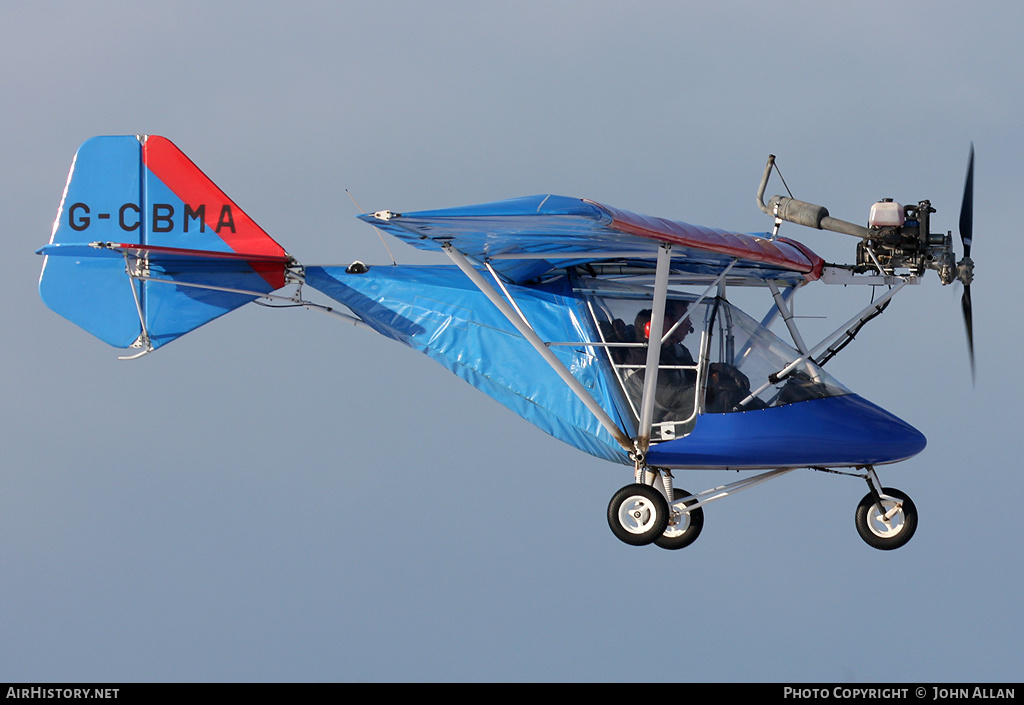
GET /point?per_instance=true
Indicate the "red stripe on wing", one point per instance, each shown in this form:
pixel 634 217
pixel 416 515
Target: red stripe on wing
pixel 782 253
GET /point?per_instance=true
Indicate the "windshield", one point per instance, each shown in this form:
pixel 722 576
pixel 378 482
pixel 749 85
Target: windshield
pixel 742 360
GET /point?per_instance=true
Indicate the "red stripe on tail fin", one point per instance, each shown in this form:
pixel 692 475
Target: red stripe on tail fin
pixel 169 164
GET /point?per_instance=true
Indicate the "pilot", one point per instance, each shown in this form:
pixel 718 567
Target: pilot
pixel 674 397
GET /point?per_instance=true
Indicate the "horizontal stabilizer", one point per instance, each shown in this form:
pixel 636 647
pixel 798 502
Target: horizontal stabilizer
pixel 154 253
pixel 146 248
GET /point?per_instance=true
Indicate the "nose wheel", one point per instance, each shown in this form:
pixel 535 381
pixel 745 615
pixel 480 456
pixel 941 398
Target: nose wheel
pixel 886 520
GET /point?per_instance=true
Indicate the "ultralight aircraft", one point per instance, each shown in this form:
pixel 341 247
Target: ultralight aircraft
pixel 548 306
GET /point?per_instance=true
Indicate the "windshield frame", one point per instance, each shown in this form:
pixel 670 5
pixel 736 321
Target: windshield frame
pixel 731 341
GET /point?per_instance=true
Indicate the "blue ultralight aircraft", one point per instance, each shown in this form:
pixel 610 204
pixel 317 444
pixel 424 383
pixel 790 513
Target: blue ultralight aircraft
pixel 548 306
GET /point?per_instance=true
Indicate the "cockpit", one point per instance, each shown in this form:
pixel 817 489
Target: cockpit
pixel 715 359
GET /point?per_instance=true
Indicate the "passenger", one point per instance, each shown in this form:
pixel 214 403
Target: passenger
pixel 618 332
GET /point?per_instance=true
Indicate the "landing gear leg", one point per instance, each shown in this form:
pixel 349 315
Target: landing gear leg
pixel 684 524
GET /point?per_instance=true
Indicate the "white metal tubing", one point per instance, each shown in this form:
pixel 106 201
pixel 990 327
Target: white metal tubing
pixel 844 328
pixel 260 295
pixel 794 332
pixel 773 311
pixel 653 348
pixel 144 338
pixel 787 316
pixel 358 323
pixel 247 292
pixel 596 345
pixel 723 491
pixel 531 337
pixel 828 339
pixel 137 355
pixel 716 284
pixel 508 296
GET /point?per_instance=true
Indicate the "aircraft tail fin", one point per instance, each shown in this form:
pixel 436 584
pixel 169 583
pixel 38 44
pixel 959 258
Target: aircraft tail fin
pixel 146 248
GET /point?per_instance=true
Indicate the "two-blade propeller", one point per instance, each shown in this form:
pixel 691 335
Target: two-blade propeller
pixel 965 268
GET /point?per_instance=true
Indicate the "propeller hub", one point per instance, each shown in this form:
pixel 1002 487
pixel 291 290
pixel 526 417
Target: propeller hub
pixel 965 271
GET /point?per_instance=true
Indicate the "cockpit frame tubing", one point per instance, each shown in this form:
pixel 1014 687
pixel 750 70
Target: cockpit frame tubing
pixel 700 367
pixel 787 316
pixel 867 312
pixel 718 284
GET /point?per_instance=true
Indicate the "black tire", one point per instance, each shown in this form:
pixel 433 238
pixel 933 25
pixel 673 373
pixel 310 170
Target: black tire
pixel 638 514
pixel 875 532
pixel 686 530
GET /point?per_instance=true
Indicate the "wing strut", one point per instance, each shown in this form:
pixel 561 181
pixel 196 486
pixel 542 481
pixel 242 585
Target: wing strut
pixel 643 440
pixel 531 337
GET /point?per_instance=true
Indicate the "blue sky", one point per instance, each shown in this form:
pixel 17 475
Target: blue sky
pixel 279 497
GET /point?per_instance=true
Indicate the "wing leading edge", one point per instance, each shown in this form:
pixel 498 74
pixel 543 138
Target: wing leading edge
pixel 525 238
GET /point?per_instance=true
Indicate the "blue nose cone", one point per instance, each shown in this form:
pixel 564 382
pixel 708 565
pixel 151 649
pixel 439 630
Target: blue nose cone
pixel 838 431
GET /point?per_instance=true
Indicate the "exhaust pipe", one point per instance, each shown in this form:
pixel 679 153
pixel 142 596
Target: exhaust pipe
pixel 802 212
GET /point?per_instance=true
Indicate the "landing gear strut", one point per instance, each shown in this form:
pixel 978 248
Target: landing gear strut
pixel 642 513
pixel 684 525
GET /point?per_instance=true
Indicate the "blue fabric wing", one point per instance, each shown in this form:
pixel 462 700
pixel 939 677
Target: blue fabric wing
pixel 525 238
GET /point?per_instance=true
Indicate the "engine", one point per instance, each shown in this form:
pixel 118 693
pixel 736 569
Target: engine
pixel 899 238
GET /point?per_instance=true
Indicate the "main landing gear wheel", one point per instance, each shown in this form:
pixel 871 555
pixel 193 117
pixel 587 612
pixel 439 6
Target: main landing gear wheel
pixel 687 526
pixel 638 514
pixel 880 532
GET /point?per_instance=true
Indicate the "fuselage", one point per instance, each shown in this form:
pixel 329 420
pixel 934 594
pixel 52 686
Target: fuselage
pixel 435 309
